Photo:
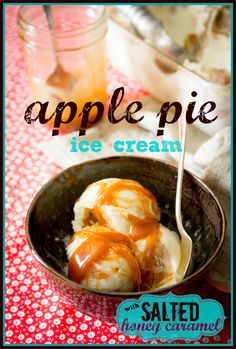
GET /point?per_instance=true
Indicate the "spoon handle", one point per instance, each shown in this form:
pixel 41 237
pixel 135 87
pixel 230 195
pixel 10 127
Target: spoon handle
pixel 186 241
pixel 48 13
pixel 182 126
pixel 151 29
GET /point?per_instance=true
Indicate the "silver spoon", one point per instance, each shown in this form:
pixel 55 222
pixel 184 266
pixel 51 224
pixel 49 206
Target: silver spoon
pixel 59 77
pixel 151 29
pixel 186 241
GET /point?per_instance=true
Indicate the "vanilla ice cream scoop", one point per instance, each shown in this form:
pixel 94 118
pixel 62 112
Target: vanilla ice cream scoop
pixel 115 203
pixel 159 255
pixel 102 259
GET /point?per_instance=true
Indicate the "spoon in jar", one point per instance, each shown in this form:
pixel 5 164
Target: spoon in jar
pixel 59 78
pixel 186 241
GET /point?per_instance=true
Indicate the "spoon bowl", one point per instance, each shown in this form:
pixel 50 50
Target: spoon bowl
pixel 59 78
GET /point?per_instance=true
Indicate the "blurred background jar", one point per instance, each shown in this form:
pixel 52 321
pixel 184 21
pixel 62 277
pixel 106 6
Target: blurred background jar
pixel 79 40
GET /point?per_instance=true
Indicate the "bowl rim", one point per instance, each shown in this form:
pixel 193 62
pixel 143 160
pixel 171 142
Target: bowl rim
pixel 161 290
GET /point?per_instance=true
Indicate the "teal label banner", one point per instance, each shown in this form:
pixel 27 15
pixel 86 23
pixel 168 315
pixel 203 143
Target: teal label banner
pixel 170 317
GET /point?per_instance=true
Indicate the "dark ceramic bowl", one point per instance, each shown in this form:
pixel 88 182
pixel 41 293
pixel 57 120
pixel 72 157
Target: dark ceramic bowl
pixel 51 212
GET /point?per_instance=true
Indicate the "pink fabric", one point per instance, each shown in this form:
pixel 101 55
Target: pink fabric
pixel 34 313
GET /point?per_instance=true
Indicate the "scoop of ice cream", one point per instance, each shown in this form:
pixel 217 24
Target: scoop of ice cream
pixel 159 255
pixel 102 259
pixel 115 203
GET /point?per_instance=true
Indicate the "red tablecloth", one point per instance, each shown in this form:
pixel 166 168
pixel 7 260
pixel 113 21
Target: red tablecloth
pixel 34 313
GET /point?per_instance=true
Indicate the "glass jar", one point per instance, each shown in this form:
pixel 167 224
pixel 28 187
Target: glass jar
pixel 78 47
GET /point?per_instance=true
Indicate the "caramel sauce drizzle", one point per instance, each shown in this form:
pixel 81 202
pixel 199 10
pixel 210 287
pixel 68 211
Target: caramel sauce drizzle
pixel 147 229
pixel 107 195
pixel 99 241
